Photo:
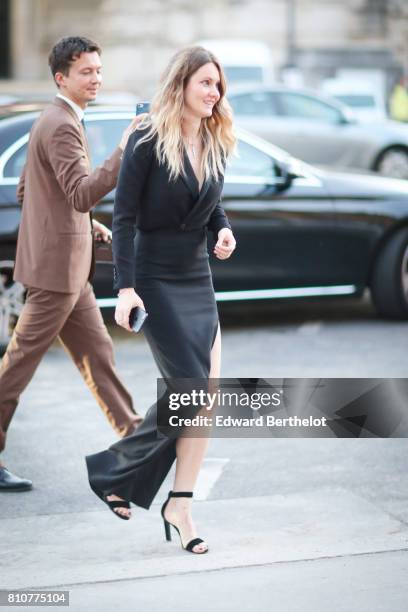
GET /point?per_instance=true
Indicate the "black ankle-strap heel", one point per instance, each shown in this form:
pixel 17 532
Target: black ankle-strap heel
pixel 117 503
pixel 190 545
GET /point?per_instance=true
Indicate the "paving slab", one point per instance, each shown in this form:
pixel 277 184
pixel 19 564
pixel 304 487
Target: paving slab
pixel 357 583
pixel 72 548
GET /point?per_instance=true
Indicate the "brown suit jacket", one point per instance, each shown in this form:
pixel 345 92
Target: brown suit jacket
pixel 58 190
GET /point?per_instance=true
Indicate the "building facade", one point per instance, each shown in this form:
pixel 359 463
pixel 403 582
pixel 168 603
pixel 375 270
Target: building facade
pixel 318 37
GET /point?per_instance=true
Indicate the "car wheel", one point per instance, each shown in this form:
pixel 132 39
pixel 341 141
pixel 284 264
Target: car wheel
pixel 389 283
pixel 393 163
pixel 12 296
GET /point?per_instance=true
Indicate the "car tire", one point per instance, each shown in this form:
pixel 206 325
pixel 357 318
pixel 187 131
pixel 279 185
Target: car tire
pixel 389 282
pixel 12 296
pixel 393 163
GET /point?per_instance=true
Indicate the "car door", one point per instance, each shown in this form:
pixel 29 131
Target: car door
pixel 12 164
pixel 320 135
pixel 305 126
pixel 284 238
pixel 257 112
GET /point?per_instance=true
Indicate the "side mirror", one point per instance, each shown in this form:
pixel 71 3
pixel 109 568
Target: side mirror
pixel 347 117
pixel 285 175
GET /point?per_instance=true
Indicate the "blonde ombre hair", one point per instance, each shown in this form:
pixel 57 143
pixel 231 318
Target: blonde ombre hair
pixel 166 114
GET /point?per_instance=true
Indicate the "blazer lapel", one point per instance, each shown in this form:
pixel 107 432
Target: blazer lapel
pixel 62 104
pixel 203 193
pixel 191 182
pixel 204 188
pixel 189 178
pixel 85 140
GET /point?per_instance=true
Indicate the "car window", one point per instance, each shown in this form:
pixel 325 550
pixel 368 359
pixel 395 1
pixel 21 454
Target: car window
pixel 357 100
pixel 235 74
pixel 14 166
pixel 103 137
pixel 305 107
pixel 250 161
pixel 259 104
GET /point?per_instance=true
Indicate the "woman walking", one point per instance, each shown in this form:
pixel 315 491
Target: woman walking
pixel 169 190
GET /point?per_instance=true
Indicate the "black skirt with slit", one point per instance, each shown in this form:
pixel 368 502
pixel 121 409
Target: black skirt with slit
pixel 173 278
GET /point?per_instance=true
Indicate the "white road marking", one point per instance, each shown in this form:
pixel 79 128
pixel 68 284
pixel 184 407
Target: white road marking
pixel 209 474
pixel 309 328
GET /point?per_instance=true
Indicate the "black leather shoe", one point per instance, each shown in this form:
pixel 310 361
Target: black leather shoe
pixel 11 483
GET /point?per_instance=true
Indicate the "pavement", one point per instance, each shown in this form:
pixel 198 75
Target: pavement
pixel 309 542
pixel 302 524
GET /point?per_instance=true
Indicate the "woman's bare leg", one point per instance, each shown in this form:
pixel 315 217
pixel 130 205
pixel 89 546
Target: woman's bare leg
pixel 190 454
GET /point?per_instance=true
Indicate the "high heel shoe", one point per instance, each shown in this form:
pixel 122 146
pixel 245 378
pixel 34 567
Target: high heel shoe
pixel 190 545
pixel 117 503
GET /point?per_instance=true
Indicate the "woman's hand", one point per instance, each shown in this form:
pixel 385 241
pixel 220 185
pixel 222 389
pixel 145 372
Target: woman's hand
pixel 225 244
pixel 127 300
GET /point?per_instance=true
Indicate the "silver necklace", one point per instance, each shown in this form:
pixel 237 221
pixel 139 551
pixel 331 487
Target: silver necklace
pixel 192 147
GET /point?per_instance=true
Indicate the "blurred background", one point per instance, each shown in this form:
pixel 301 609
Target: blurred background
pixel 318 194
pixel 299 42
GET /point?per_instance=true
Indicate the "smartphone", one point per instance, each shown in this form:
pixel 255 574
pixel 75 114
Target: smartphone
pixel 136 318
pixel 142 107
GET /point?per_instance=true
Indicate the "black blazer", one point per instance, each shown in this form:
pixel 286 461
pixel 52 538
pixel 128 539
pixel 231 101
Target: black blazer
pixel 147 199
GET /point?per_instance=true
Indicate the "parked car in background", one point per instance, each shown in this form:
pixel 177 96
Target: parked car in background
pixel 301 232
pixel 366 102
pixel 17 107
pixel 321 131
pixel 246 61
pixel 6 99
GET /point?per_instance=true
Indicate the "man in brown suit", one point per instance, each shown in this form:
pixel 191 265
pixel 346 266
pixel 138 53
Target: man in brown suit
pixel 55 248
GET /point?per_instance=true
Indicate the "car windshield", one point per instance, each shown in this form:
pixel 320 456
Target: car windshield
pixel 243 73
pixel 103 133
pixel 250 161
pixel 103 137
pixel 357 100
pixel 14 165
pixel 305 107
pixel 257 104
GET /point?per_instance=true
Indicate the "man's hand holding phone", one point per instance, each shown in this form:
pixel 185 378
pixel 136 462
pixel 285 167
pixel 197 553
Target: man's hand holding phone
pixel 142 108
pixel 127 300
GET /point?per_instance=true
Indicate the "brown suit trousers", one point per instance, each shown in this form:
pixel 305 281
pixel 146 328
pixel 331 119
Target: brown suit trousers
pixel 77 321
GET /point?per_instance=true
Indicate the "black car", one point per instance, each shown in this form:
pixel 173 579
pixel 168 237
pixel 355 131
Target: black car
pixel 300 231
